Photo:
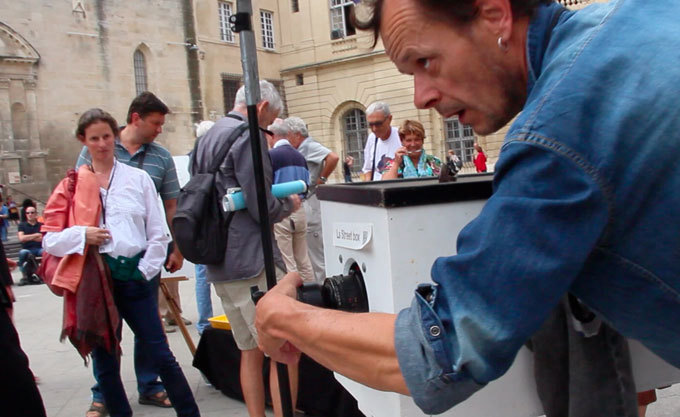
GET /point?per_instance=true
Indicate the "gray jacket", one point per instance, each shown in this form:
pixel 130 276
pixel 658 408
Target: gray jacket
pixel 244 258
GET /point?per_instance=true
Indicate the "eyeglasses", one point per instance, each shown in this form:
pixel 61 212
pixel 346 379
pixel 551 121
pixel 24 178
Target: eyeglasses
pixel 376 124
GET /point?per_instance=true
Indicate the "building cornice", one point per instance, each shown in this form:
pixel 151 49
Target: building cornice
pixel 330 62
pixel 28 54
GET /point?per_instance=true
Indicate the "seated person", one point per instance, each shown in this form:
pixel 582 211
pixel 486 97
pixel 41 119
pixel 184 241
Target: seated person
pixel 410 160
pixel 31 247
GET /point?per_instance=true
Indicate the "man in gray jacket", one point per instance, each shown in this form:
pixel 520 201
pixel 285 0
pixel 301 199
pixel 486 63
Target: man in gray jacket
pixel 243 264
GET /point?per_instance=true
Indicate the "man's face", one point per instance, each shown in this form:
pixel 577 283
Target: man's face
pixel 380 124
pixel 271 139
pixel 265 114
pixel 150 126
pixel 31 214
pixel 295 139
pixel 458 70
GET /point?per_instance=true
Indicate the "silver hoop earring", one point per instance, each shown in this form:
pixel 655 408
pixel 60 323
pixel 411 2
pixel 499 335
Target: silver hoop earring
pixel 501 44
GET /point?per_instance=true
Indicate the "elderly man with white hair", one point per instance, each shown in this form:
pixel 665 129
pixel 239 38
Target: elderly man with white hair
pixel 288 165
pixel 243 263
pixel 321 162
pixel 381 143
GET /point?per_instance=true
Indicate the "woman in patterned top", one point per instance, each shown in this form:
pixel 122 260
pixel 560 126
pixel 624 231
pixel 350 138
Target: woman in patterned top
pixel 411 161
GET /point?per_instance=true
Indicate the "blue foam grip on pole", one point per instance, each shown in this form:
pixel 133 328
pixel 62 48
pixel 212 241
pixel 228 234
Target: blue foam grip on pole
pixel 235 201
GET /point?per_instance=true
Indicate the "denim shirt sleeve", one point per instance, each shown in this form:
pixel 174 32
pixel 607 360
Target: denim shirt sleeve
pixel 514 262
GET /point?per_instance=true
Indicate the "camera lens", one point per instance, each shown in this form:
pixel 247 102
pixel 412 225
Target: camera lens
pixel 345 292
pixel 310 293
pixel 340 292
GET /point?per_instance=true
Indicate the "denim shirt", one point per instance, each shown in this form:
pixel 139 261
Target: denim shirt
pixel 586 198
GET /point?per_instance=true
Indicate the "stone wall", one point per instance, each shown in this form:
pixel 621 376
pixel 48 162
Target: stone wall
pixel 86 60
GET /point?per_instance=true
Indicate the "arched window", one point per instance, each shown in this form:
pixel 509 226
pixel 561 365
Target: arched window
pixel 140 72
pixel 355 132
pixel 460 138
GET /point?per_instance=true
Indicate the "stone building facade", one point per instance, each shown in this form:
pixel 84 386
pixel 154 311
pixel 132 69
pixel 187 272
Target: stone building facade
pixel 329 73
pixel 60 57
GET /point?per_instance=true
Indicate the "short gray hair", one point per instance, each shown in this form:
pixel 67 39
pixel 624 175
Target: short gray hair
pixel 267 93
pixel 279 128
pixel 203 127
pixel 380 106
pixel 297 125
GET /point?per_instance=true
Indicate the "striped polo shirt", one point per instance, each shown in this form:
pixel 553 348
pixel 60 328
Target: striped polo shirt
pixel 157 163
pixel 287 163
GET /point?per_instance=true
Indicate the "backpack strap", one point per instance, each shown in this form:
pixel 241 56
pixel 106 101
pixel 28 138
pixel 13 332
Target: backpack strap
pixel 226 145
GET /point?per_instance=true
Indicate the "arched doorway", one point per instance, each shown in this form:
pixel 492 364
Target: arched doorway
pixel 354 133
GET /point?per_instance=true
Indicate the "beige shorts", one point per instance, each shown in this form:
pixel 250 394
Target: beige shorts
pixel 240 309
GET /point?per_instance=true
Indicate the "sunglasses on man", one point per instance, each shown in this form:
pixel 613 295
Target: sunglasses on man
pixel 377 124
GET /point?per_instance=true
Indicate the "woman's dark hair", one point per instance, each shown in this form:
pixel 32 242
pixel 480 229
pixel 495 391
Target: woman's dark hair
pixel 454 11
pixel 92 116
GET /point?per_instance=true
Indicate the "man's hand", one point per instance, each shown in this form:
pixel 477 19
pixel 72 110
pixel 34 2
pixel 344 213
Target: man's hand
pixel 295 201
pixel 12 264
pixel 175 261
pixel 273 305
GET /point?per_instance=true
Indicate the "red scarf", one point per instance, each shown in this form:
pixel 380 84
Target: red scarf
pixel 90 315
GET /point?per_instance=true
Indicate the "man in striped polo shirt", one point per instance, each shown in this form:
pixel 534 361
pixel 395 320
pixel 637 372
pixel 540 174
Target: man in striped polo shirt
pixel 290 233
pixel 135 146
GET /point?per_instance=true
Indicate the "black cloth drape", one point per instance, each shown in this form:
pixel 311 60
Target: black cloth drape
pixel 319 393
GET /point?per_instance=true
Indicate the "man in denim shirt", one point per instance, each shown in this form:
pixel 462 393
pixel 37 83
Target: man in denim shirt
pixel 585 192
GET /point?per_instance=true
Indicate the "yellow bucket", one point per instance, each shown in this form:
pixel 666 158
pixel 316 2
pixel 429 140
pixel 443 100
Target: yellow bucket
pixel 220 322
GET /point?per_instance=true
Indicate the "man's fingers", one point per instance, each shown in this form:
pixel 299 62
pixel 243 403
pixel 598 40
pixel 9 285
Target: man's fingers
pixel 171 266
pixel 286 354
pixel 289 283
pixel 292 278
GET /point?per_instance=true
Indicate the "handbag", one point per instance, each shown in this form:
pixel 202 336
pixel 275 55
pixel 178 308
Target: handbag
pixel 49 263
pixel 48 267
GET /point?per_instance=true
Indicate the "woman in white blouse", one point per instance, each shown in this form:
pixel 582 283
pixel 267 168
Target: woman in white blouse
pixel 131 240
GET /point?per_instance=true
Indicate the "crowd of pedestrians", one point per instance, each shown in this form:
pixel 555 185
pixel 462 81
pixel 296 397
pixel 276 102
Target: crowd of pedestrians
pixel 105 237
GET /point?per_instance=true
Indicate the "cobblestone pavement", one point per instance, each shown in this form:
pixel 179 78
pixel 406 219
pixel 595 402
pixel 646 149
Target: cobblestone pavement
pixel 65 381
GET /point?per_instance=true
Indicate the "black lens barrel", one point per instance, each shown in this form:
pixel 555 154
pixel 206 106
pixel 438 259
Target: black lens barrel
pixel 339 292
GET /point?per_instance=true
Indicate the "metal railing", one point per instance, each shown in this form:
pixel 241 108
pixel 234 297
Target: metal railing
pixel 16 191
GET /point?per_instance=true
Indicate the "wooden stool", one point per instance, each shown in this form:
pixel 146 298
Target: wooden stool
pixel 174 309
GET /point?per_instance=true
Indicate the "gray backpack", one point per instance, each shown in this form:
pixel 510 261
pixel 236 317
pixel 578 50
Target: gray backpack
pixel 200 225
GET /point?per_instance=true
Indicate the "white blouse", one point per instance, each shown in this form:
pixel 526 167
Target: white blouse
pixel 133 217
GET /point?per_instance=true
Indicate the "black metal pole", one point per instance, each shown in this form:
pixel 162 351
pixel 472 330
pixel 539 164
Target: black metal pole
pixel 252 86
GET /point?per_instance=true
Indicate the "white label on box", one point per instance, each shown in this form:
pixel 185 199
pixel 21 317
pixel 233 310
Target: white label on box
pixel 352 235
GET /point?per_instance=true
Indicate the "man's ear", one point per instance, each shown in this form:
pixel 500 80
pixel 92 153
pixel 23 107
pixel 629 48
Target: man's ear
pixel 496 17
pixel 135 117
pixel 262 106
